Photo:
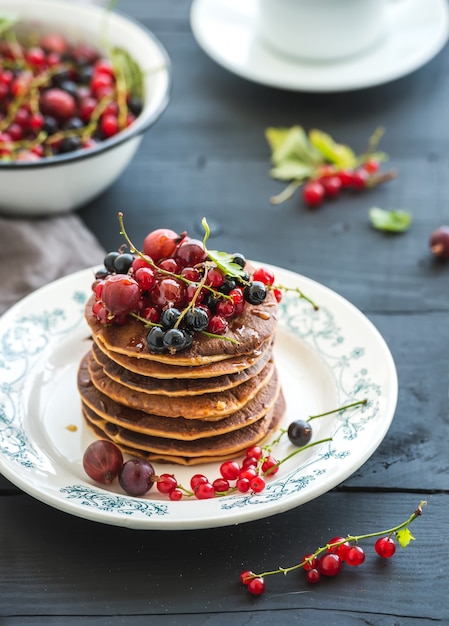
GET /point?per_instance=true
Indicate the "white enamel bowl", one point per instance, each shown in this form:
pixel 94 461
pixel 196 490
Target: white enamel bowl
pixel 66 182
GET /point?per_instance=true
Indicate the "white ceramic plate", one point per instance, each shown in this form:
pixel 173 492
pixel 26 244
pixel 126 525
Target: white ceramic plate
pixel 418 29
pixel 326 359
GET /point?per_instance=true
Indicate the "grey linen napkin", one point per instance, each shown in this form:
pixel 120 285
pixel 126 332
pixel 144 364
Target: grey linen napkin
pixel 34 252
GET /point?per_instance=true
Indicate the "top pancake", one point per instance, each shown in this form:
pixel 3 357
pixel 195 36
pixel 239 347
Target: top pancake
pixel 245 335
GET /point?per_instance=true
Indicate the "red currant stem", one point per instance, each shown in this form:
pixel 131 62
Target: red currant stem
pixel 373 142
pixel 147 323
pixel 348 406
pixel 349 538
pixel 297 451
pixel 299 292
pixel 195 297
pixel 222 260
pixel 287 192
pixel 378 179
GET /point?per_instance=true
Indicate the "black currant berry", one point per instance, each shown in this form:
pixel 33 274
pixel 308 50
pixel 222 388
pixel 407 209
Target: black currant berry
pixel 196 319
pixel 169 317
pixel 101 273
pixel 70 144
pixel 109 260
pixel 135 105
pixel 123 262
pixel 255 292
pixel 299 433
pixel 228 285
pixel 155 339
pixel 175 339
pixel 239 259
pixel 243 279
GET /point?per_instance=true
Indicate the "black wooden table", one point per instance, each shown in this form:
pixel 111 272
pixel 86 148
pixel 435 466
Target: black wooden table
pixel 207 156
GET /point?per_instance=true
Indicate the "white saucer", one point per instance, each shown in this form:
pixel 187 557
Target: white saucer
pixel 418 30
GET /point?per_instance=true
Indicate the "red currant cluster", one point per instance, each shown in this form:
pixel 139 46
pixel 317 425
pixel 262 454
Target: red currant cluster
pixel 330 181
pixel 249 475
pixel 103 462
pixel 56 98
pixel 329 560
pixel 177 289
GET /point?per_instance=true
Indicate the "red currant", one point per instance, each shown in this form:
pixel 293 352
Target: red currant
pixel 313 576
pixel 246 576
pixel 313 193
pixel 264 275
pixel 230 470
pixel 355 556
pixel 196 480
pixel 310 562
pixel 341 549
pixel 329 564
pixel 332 186
pixel 270 466
pixel 256 586
pixel 204 491
pixel 166 483
pixel 385 547
pixel 257 484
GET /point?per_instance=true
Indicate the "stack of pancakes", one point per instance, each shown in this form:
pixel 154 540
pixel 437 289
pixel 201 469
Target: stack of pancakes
pixel 207 403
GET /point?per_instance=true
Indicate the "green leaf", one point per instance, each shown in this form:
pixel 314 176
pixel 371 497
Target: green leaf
pixel 126 67
pixel 291 170
pixel 224 261
pixel 7 21
pixel 333 152
pixel 391 221
pixel 291 144
pixel 404 537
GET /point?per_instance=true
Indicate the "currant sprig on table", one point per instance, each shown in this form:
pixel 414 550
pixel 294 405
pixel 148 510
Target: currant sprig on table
pixel 103 462
pixel 178 287
pixel 323 167
pixel 329 560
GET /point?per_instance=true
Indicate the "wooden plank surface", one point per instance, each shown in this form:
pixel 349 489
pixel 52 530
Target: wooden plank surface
pixel 207 156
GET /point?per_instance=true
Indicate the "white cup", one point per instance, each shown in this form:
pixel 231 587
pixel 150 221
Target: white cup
pixel 321 30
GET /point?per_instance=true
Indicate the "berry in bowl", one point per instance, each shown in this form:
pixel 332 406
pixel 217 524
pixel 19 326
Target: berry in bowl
pixel 79 86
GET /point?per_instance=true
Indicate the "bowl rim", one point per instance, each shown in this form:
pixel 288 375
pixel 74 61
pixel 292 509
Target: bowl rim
pixel 138 127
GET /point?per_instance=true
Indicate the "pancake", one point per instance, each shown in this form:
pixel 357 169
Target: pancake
pixel 210 406
pixel 176 386
pixel 215 448
pixel 245 335
pixel 98 405
pixel 145 367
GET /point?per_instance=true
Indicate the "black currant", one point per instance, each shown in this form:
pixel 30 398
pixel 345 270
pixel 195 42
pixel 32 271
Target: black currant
pixel 74 123
pixel 175 339
pixel 109 260
pixel 239 259
pixel 135 105
pixel 123 262
pixel 299 433
pixel 169 317
pixel 243 279
pixel 255 292
pixel 196 319
pixel 228 285
pixel 155 339
pixel 101 273
pixel 70 144
pixel 70 87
